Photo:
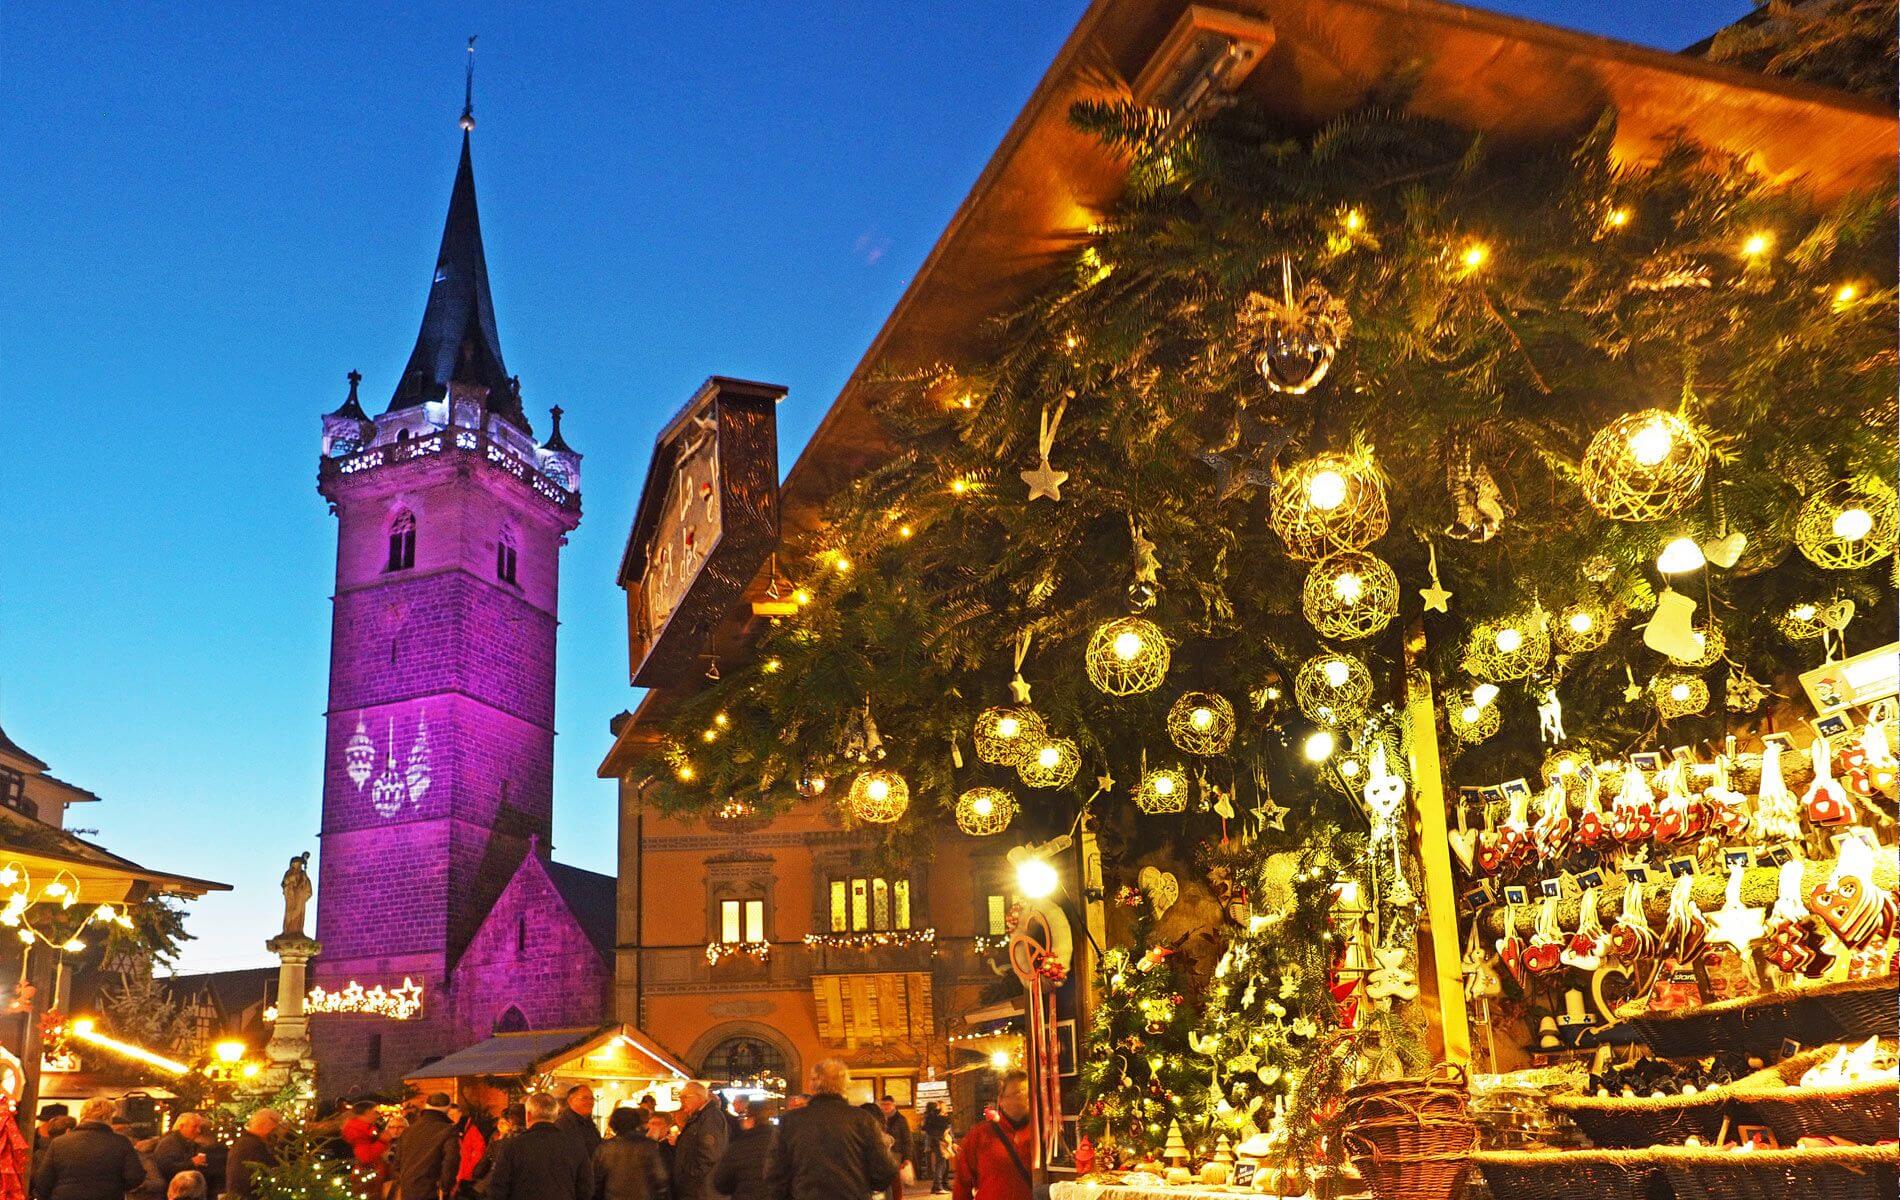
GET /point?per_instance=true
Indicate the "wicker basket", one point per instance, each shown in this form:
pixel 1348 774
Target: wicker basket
pixel 1811 1016
pixel 1617 1122
pixel 1411 1139
pixel 1833 1173
pixel 1861 1112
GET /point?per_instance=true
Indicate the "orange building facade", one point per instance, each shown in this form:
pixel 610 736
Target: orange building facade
pixel 754 947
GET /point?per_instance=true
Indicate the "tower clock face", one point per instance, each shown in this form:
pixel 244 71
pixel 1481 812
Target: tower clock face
pixel 687 529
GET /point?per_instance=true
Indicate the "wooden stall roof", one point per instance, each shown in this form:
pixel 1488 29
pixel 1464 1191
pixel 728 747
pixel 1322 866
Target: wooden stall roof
pixel 1515 80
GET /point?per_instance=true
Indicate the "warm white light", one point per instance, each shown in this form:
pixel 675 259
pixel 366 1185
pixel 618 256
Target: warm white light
pixel 1805 612
pixel 1471 713
pixel 1350 768
pixel 1201 718
pixel 1680 556
pixel 1484 694
pixel 878 789
pixel 228 1052
pixel 1319 745
pixel 1164 785
pixel 1035 878
pixel 1679 692
pixel 1567 766
pixel 1048 757
pixel 1348 587
pixel 1008 727
pixel 982 806
pixel 999 1059
pixel 1337 671
pixel 1326 490
pixel 1582 622
pixel 1476 255
pixel 1128 645
pixel 1652 443
pixel 1853 524
pixel 1756 245
pixel 1510 640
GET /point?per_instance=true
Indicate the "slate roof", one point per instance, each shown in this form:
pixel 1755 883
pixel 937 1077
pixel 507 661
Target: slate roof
pixel 590 897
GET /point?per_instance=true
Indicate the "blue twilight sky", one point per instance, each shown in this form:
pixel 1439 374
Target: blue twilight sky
pixel 212 212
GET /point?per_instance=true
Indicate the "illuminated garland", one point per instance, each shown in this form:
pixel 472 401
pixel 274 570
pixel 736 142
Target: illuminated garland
pixel 398 1004
pixel 868 940
pixel 984 943
pixel 718 952
pixel 86 1030
pixel 62 890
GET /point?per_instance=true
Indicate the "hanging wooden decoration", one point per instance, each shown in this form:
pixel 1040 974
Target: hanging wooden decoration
pixel 1051 764
pixel 1127 655
pixel 1847 527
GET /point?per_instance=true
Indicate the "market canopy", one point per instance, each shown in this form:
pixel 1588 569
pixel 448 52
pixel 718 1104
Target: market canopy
pixel 597 1052
pixel 1513 80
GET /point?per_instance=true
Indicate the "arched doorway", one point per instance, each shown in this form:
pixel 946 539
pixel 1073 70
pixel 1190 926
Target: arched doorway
pixel 746 1050
pixel 512 1020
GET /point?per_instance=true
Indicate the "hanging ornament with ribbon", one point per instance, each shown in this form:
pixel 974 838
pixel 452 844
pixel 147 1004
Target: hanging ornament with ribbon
pixel 1476 500
pixel 1436 596
pixel 1045 482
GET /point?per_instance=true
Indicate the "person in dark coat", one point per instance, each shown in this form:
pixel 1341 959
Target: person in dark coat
pixel 426 1158
pixel 254 1150
pixel 628 1166
pixel 179 1150
pixel 577 1120
pixel 702 1139
pixel 509 1125
pixel 931 1139
pixel 740 1174
pixel 89 1162
pixel 660 1133
pixel 898 1128
pixel 541 1162
pixel 828 1150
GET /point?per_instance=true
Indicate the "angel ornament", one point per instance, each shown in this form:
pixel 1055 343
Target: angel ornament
pixel 1385 796
pixel 1550 715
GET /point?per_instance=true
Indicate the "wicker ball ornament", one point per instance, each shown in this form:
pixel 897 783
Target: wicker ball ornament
pixel 1127 656
pixel 1711 642
pixel 1201 723
pixel 1327 504
pixel 1644 466
pixel 1162 790
pixel 1003 735
pixel 1052 764
pixel 1801 622
pixel 878 796
pixel 1510 648
pixel 1582 628
pixel 1332 688
pixel 1471 722
pixel 1565 766
pixel 1846 528
pixel 1678 695
pixel 983 811
pixel 1350 595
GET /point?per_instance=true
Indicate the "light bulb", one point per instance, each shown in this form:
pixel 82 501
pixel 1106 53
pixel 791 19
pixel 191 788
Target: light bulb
pixel 1680 556
pixel 1617 218
pixel 1853 524
pixel 721 720
pixel 1319 745
pixel 1201 718
pixel 904 531
pixel 959 486
pixel 843 564
pixel 1348 587
pixel 1475 256
pixel 1355 220
pixel 1350 768
pixel 1127 645
pixel 1008 727
pixel 1035 878
pixel 771 666
pixel 982 806
pixel 1652 443
pixel 999 1059
pixel 1804 612
pixel 1846 294
pixel 1164 785
pixel 1567 766
pixel 878 789
pixel 710 735
pixel 1337 671
pixel 1510 640
pixel 1326 490
pixel 1471 713
pixel 801 597
pixel 1048 756
pixel 685 773
pixel 1679 692
pixel 1484 694
pixel 1756 245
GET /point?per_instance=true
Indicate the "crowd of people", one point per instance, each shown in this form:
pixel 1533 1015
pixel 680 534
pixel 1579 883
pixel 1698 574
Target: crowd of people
pixel 817 1146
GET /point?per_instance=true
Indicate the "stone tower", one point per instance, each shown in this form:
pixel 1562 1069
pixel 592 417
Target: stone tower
pixel 439 754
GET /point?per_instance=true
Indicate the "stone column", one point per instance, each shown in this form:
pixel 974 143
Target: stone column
pixel 289 1044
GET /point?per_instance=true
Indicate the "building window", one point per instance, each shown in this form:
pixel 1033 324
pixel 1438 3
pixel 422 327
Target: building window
pixel 742 1058
pixel 13 792
pixel 996 915
pixel 505 557
pixel 521 935
pixel 742 920
pixel 373 1058
pixel 868 1089
pixel 863 905
pixel 511 1021
pixel 402 543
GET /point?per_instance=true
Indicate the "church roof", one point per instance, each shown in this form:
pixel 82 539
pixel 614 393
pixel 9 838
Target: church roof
pixel 458 341
pixel 590 897
pixel 14 750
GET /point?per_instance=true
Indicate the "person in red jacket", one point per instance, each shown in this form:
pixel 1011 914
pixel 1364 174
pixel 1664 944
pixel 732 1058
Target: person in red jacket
pixel 993 1158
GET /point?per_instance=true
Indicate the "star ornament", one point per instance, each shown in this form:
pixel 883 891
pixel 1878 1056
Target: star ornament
pixel 1270 814
pixel 1045 482
pixel 1019 689
pixel 1435 597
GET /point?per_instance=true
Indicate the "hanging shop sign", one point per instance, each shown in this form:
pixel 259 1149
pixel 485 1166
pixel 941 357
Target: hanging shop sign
pixel 1853 682
pixel 707 519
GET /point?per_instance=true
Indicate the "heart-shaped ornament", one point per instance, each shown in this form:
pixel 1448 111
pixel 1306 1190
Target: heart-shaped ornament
pixel 1725 552
pixel 1836 615
pixel 1464 845
pixel 1161 888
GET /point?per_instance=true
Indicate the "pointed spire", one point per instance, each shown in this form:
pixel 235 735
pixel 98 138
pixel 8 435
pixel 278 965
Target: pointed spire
pixel 351 406
pixel 458 342
pixel 555 441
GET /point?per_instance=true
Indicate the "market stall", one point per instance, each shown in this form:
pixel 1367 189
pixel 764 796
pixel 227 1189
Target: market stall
pixel 619 1062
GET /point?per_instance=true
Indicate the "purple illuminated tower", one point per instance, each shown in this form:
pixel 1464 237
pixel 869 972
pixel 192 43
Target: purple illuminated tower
pixel 439 755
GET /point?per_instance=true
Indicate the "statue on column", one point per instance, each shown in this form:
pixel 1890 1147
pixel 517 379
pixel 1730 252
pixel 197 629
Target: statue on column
pixel 297 893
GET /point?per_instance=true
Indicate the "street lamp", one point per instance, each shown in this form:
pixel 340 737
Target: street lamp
pixel 1035 878
pixel 229 1052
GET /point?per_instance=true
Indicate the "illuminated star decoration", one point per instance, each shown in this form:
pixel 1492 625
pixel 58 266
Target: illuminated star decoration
pixel 1270 815
pixel 1435 596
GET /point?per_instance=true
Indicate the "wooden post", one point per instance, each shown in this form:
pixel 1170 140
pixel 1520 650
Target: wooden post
pixel 1434 852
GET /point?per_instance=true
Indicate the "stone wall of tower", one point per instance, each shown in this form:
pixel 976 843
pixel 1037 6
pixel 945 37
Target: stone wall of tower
pixel 531 955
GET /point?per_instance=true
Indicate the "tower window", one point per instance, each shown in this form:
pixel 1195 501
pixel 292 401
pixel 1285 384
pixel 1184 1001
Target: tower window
pixel 373 1059
pixel 505 557
pixel 869 905
pixel 402 543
